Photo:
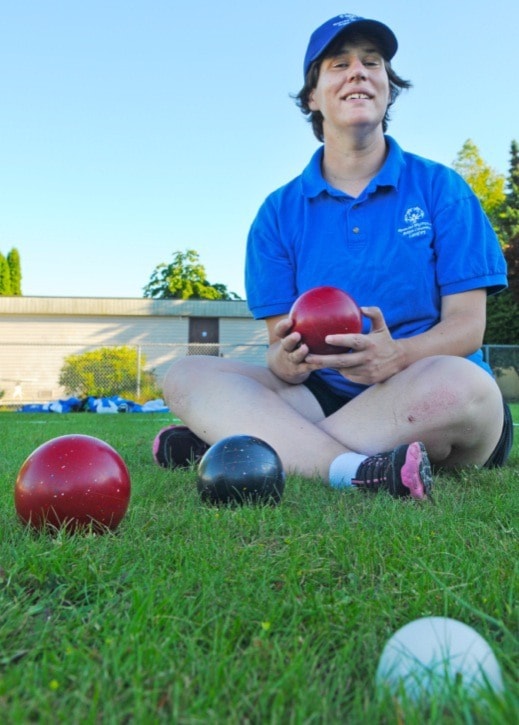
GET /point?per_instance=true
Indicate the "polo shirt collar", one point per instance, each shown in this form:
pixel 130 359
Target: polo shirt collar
pixel 313 182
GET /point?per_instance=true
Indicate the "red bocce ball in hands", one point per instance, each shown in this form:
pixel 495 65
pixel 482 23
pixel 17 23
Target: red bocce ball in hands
pixel 323 311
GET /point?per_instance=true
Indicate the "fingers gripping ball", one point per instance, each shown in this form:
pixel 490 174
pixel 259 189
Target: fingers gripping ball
pixel 74 481
pixel 241 469
pixel 324 311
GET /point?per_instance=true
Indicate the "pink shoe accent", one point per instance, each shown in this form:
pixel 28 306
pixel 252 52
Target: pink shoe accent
pixel 156 440
pixel 411 472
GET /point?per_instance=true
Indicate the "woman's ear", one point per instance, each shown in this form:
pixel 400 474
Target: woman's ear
pixel 311 101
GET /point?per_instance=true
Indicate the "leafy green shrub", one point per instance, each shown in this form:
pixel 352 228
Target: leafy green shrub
pixel 107 371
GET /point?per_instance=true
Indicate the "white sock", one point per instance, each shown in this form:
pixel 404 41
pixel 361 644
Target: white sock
pixel 344 468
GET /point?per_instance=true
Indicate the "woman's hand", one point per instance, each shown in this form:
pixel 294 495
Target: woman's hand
pixel 376 356
pixel 367 359
pixel 287 356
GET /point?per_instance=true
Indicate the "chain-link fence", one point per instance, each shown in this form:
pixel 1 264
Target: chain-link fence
pixel 34 373
pixel 504 361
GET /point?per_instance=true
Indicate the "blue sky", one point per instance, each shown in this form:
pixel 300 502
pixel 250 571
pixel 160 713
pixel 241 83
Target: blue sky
pixel 132 129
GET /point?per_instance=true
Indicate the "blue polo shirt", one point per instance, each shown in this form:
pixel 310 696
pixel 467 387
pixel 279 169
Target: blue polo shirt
pixel 414 235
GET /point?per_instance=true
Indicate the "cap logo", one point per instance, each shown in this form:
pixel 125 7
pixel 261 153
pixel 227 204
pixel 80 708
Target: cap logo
pixel 346 19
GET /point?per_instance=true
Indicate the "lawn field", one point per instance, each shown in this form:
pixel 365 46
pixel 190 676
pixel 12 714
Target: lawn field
pixel 191 614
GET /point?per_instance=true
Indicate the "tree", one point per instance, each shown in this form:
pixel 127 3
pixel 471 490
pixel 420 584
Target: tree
pixel 502 320
pixel 487 184
pixel 509 222
pixel 503 309
pixel 184 278
pixel 5 277
pixel 15 270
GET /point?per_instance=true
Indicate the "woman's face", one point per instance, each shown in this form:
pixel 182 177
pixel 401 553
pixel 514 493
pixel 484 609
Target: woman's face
pixel 352 90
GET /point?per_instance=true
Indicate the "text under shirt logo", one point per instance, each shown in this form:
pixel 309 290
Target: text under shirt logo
pixel 415 226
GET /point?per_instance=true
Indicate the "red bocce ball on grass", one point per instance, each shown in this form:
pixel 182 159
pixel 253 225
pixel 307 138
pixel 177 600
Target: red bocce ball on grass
pixel 323 311
pixel 74 482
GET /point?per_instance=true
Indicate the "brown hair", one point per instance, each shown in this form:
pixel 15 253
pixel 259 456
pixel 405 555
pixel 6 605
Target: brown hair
pixel 396 86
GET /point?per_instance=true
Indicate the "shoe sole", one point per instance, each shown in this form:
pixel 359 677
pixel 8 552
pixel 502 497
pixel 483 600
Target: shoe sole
pixel 196 448
pixel 416 474
pixel 156 442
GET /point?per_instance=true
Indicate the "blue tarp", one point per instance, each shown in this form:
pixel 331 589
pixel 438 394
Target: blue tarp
pixel 113 404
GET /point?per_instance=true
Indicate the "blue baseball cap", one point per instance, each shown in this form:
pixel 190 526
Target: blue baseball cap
pixel 325 33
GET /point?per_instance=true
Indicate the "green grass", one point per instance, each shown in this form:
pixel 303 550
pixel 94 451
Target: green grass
pixel 195 614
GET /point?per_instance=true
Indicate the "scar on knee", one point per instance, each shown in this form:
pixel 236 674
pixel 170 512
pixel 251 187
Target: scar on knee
pixel 433 405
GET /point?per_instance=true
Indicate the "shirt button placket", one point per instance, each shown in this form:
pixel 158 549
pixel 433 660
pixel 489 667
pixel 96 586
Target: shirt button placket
pixel 355 225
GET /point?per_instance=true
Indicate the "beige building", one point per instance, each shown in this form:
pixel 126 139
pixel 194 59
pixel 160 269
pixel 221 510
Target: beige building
pixel 38 333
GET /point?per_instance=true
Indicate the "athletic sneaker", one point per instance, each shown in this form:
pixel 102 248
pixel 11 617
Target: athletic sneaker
pixel 177 447
pixel 404 471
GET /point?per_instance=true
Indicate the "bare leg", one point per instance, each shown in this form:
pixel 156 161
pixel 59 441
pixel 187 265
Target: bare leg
pixel 450 404
pixel 217 398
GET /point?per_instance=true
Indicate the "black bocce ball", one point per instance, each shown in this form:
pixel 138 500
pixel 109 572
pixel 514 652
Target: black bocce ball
pixel 241 469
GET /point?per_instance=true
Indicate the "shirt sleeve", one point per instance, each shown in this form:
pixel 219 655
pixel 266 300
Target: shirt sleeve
pixel 468 252
pixel 269 266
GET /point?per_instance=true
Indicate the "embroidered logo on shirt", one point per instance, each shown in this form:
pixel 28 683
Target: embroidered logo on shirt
pixel 415 226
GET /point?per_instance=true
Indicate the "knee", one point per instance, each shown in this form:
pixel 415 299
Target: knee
pixel 470 413
pixel 461 385
pixel 473 383
pixel 181 379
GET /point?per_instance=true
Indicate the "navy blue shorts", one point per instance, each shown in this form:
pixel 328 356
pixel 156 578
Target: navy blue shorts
pixel 504 445
pixel 330 401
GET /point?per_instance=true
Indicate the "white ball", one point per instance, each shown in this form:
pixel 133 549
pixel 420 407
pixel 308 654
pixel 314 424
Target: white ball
pixel 431 655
